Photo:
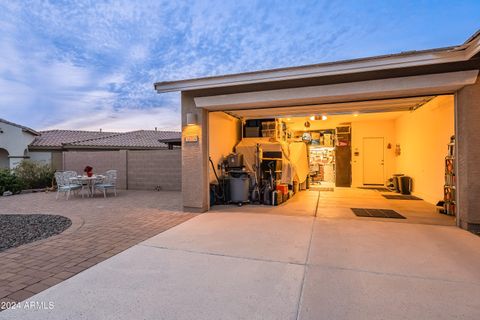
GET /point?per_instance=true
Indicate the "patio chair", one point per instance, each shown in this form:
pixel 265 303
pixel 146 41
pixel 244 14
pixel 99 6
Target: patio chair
pixel 85 186
pixel 71 175
pixel 65 184
pixel 109 182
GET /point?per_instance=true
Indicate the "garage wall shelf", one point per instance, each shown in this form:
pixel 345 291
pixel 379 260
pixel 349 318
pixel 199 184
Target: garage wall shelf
pixel 449 189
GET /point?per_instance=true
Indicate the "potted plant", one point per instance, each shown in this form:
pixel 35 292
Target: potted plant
pixel 89 171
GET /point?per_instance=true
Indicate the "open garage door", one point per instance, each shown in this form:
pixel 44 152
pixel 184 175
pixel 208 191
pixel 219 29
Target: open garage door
pixel 353 152
pixel 373 106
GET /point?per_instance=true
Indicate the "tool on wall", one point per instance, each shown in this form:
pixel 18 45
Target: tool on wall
pixel 255 194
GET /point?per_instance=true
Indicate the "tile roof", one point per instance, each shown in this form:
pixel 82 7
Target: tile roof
pixel 56 138
pixel 27 129
pixel 133 139
pixel 141 139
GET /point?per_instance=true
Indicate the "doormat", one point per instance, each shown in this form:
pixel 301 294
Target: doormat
pixel 377 213
pixel 325 189
pixel 400 197
pixel 317 188
pixel 381 189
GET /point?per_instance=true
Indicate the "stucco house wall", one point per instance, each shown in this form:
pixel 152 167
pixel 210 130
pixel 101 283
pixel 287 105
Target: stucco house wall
pixel 14 140
pixel 43 157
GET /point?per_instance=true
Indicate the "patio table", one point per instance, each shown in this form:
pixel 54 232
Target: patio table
pixel 89 181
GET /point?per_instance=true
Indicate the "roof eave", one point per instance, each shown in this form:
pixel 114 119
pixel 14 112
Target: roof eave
pixel 170 140
pixel 44 148
pixel 24 129
pixel 68 147
pixel 401 60
pixel 31 131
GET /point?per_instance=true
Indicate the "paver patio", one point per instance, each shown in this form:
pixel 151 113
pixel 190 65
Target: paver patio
pixel 100 229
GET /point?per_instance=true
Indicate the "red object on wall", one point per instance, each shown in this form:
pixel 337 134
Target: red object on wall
pixel 283 188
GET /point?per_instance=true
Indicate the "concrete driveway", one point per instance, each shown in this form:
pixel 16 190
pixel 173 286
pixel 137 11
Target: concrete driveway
pixel 261 266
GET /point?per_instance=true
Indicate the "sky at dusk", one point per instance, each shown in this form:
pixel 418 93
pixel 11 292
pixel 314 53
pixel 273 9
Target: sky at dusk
pixel 92 64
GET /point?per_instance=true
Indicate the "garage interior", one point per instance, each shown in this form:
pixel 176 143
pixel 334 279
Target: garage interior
pixel 326 159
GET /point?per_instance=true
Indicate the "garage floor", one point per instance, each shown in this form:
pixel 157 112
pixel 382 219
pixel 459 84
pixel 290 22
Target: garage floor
pixel 337 204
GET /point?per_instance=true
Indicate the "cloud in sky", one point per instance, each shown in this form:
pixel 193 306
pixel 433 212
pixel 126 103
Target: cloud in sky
pixel 89 65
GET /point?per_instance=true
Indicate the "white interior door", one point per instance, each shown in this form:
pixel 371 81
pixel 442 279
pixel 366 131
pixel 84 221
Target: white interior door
pixel 373 161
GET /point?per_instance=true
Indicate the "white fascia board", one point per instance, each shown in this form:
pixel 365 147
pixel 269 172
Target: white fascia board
pixel 325 69
pixel 473 48
pixel 353 91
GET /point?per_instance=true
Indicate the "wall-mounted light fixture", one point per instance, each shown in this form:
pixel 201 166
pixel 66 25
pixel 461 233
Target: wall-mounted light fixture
pixel 191 119
pixel 322 117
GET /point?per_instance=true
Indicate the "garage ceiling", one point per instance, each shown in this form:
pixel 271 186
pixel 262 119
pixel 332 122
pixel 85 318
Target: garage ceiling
pixel 298 123
pixel 373 106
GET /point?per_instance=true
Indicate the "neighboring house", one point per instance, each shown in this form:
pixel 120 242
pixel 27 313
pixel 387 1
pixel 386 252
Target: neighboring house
pixel 47 147
pixel 14 143
pixel 50 145
pixel 144 159
pixel 420 98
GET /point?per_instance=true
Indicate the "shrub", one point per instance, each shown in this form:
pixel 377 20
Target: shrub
pixel 9 182
pixel 34 175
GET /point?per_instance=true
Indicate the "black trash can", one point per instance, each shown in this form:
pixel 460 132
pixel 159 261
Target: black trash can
pixel 396 181
pixel 405 185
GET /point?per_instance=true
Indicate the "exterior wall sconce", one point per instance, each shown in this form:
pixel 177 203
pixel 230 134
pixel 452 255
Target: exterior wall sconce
pixel 191 119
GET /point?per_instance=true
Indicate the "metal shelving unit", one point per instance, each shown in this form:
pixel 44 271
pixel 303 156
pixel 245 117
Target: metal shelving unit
pixel 450 188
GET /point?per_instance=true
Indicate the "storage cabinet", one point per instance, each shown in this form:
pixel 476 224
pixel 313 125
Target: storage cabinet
pixel 343 157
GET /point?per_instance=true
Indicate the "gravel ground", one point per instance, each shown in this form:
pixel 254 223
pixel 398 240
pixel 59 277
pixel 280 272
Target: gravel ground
pixel 18 229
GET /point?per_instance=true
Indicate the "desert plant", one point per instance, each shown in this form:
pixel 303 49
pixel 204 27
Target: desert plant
pixel 10 182
pixel 34 175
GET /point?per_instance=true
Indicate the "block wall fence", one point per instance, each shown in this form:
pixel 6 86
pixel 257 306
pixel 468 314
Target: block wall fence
pixel 137 170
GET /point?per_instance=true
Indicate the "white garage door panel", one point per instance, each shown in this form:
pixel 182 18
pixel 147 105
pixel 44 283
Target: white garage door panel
pixel 385 105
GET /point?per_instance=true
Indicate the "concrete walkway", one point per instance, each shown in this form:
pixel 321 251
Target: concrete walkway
pixel 260 266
